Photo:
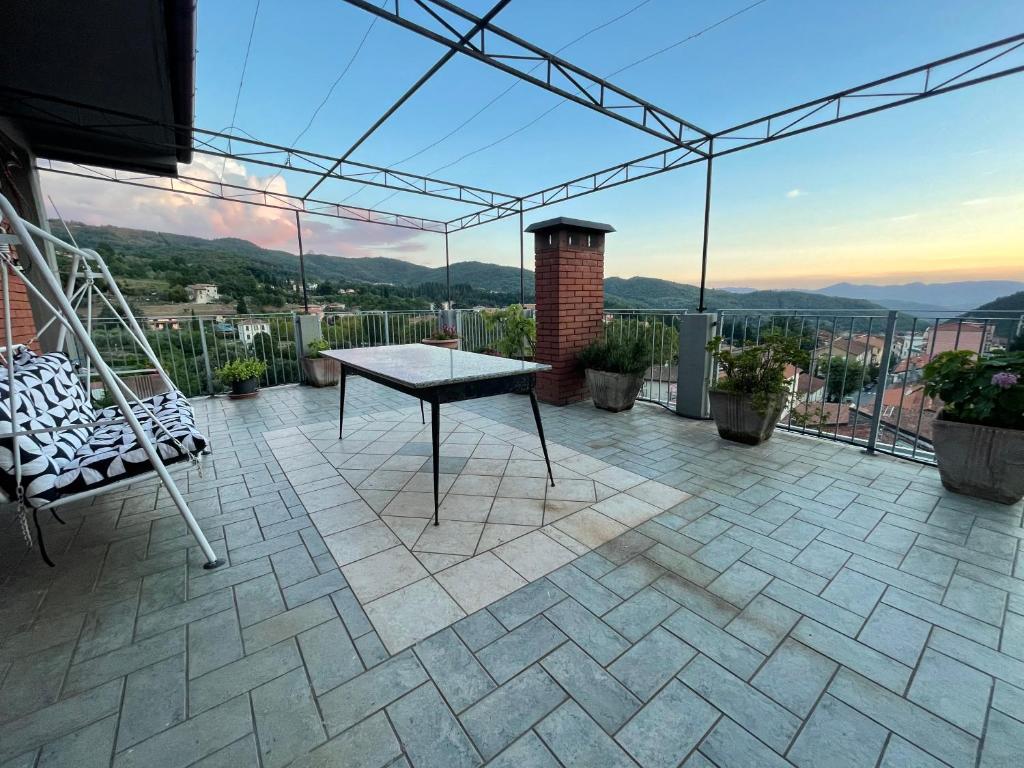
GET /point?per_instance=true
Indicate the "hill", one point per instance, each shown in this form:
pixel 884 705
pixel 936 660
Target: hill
pixel 933 297
pixel 154 266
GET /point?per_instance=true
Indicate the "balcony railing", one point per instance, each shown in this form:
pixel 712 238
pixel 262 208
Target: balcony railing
pixel 862 384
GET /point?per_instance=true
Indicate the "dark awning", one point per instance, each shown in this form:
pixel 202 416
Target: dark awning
pixel 73 71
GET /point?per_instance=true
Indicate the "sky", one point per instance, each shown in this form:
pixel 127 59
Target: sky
pixel 929 191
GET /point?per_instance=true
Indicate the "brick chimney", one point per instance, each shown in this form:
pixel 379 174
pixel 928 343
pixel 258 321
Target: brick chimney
pixel 569 257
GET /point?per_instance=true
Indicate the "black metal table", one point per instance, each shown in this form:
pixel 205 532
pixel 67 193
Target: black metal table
pixel 437 375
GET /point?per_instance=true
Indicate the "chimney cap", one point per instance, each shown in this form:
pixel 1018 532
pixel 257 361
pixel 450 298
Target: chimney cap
pixel 564 222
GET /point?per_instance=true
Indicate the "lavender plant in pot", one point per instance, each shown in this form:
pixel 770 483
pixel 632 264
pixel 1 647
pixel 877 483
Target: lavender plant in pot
pixel 445 336
pixel 615 368
pixel 752 393
pixel 320 371
pixel 978 436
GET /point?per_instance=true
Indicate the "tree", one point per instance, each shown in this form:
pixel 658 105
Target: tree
pixel 177 295
pixel 241 307
pixel 843 376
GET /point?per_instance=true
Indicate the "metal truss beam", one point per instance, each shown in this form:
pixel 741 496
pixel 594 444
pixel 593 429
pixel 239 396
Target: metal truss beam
pixel 501 49
pixel 408 94
pixel 246 149
pixel 216 190
pixel 962 70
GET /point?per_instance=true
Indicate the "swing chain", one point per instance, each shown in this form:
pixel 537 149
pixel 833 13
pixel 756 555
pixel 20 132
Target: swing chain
pixel 26 534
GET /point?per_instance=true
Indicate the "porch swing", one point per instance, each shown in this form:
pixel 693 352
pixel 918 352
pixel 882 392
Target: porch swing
pixel 56 447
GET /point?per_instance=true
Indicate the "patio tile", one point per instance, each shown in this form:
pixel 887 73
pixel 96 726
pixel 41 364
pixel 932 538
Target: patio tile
pixel 631 577
pixel 510 654
pixel 566 540
pixel 713 642
pixel 590 633
pixel 382 573
pixel 857 656
pixel 590 527
pixel 625 547
pixel 900 753
pixel 434 563
pixel 626 509
pixel 423 482
pixel 385 480
pixel 243 675
pixel 615 477
pixel 577 740
pixel 526 468
pixel 412 613
pixel 952 690
pixel 689 595
pixel 913 723
pixel 895 634
pixel 837 735
pixel 729 744
pixel 572 490
pixel 479 581
pixel 854 591
pixel 329 655
pixel 979 600
pixel 359 542
pixel 154 700
pixel 411 504
pixel 429 733
pixel 763 624
pixel 739 584
pixel 1004 741
pixel 454 670
pixel 478 630
pixel 523 487
pixel 90 746
pixel 821 610
pixel 361 696
pixel 496 534
pixel 942 616
pixel 795 676
pixel 668 727
pixel 287 719
pixel 504 715
pixel 370 743
pixel 465 507
pixel 475 485
pixel 407 529
pixel 658 494
pixel 451 537
pixel 490 467
pixel 584 589
pixel 529 750
pixel 651 662
pixel 600 694
pixel 517 511
pixel 534 555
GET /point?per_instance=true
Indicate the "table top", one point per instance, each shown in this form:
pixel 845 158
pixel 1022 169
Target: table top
pixel 422 365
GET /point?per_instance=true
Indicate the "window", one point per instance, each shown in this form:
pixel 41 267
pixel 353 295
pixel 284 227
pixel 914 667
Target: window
pixel 590 241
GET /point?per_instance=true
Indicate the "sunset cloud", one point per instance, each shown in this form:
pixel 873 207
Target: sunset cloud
pixel 100 202
pixel 794 193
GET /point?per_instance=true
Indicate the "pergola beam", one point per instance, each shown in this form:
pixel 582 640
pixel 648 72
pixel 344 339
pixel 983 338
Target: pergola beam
pixel 408 94
pixel 932 79
pixel 218 190
pixel 501 49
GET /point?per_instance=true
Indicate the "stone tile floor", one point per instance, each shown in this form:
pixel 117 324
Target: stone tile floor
pixel 803 604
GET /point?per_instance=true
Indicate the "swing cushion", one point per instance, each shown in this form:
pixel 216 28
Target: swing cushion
pixel 50 394
pixel 113 452
pixel 56 464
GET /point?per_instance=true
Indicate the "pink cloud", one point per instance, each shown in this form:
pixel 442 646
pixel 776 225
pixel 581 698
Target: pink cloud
pixel 100 202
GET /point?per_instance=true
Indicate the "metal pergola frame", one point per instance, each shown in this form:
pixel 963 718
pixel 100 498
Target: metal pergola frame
pixel 461 32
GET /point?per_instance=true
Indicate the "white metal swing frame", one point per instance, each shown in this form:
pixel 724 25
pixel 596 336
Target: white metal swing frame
pixel 87 266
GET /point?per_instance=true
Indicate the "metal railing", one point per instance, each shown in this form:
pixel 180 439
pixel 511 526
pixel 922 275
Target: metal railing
pixel 660 327
pixel 863 382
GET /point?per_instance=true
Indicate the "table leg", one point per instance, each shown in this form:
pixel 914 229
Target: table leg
pixel 540 434
pixel 435 438
pixel 422 417
pixel 341 402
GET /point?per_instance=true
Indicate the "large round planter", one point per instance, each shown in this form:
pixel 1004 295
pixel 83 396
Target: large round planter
pixel 985 462
pixel 321 371
pixel 738 420
pixel 246 388
pixel 614 391
pixel 446 343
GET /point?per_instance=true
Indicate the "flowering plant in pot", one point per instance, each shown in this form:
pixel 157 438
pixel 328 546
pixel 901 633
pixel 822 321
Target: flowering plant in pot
pixel 749 398
pixel 320 371
pixel 615 368
pixel 978 436
pixel 242 375
pixel 445 336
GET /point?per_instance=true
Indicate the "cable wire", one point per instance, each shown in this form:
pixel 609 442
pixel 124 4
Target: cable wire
pixel 241 80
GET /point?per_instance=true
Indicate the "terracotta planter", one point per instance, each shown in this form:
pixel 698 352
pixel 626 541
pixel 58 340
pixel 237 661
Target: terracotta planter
pixel 614 392
pixel 446 343
pixel 246 388
pixel 738 420
pixel 321 371
pixel 985 462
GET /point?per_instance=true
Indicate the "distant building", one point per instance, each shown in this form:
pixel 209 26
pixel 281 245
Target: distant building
pixel 163 323
pixel 249 329
pixel 958 334
pixel 202 293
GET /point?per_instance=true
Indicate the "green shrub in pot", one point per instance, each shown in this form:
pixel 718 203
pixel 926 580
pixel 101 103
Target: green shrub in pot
pixel 615 368
pixel 320 371
pixel 242 375
pixel 752 392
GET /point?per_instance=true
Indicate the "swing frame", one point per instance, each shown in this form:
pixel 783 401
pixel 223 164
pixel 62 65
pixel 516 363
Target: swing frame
pixel 87 267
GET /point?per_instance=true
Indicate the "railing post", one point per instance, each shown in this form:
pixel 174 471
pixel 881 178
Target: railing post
pixel 458 322
pixel 297 328
pixel 883 377
pixel 206 356
pixel 693 375
pixel 387 330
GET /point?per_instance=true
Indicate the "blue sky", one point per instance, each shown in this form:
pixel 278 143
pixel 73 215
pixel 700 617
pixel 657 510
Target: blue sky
pixel 926 191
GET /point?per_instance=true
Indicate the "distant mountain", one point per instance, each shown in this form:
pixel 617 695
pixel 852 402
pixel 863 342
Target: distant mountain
pixel 737 289
pixel 157 260
pixel 935 297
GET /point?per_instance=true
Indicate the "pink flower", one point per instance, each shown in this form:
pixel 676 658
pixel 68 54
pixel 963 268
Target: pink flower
pixel 1005 379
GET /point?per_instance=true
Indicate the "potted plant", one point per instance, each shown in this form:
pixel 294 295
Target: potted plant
pixel 445 336
pixel 516 334
pixel 979 433
pixel 752 393
pixel 615 368
pixel 320 371
pixel 242 375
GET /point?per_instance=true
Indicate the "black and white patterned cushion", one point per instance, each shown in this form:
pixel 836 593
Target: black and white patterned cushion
pixel 50 394
pixel 114 453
